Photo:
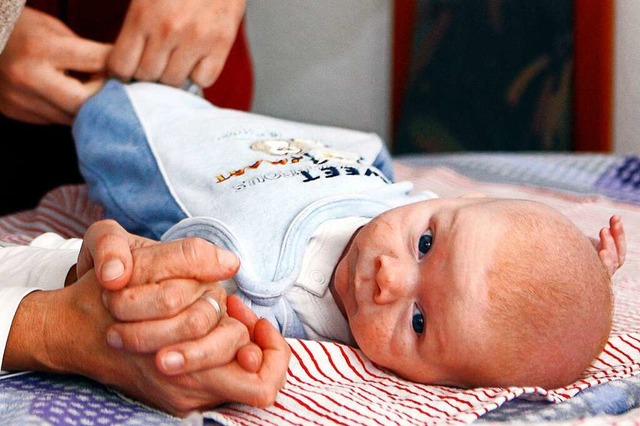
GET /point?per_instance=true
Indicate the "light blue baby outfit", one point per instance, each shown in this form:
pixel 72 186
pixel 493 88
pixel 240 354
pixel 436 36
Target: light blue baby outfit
pixel 168 164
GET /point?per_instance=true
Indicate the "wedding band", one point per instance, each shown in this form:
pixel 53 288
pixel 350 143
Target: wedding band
pixel 213 302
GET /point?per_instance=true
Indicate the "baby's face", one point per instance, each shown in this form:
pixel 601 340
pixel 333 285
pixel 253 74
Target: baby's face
pixel 412 286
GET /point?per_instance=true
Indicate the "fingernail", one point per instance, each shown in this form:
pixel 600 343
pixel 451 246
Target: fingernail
pixel 114 339
pixel 173 361
pixel 227 258
pixel 112 269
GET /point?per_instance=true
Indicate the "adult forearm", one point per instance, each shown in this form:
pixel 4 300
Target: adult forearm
pixel 28 344
pixel 61 331
pixel 24 269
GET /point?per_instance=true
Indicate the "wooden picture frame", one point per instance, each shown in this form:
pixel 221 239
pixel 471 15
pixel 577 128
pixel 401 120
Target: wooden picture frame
pixel 593 32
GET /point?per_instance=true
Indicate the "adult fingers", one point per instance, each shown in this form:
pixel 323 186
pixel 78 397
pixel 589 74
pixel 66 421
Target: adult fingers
pixel 107 248
pixel 127 50
pixel 217 348
pixel 180 63
pixel 156 300
pixel 154 58
pixel 84 55
pixel 207 70
pixel 79 60
pixel 191 258
pixel 149 335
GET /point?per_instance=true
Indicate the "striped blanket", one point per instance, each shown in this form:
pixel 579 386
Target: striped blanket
pixel 329 383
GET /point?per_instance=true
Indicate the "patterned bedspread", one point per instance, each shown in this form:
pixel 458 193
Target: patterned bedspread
pixel 329 383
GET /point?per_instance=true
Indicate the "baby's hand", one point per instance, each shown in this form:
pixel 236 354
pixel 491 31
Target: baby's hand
pixel 612 247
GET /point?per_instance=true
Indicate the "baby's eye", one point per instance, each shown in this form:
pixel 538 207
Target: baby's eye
pixel 424 243
pixel 417 320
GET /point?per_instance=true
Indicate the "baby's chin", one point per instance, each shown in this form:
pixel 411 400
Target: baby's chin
pixel 425 375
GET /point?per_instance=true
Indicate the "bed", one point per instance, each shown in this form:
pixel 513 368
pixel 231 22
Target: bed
pixel 329 383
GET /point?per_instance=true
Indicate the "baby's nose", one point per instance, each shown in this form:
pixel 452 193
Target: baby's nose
pixel 391 279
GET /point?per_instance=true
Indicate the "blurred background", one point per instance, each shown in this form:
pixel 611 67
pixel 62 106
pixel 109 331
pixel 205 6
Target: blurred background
pixel 451 75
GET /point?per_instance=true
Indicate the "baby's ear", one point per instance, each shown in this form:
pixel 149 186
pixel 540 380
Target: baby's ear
pixel 474 195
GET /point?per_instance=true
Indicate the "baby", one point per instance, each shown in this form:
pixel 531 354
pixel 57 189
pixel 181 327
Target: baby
pixel 471 291
pixel 477 292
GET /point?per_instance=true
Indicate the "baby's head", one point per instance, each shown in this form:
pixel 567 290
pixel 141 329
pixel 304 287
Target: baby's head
pixel 476 292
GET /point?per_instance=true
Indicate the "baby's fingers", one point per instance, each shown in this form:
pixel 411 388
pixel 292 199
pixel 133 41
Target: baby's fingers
pixel 249 357
pixel 619 238
pixel 612 248
pixel 276 353
pixel 607 251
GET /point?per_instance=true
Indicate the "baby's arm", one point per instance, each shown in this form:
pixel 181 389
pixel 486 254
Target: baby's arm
pixel 612 247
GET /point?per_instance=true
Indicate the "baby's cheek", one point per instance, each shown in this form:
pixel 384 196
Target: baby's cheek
pixel 373 338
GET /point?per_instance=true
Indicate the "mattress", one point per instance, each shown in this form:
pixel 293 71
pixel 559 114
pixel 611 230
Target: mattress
pixel 330 383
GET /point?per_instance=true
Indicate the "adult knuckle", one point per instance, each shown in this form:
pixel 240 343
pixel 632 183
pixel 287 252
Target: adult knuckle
pixel 193 248
pixel 33 47
pixel 170 300
pixel 200 30
pixel 119 68
pixel 196 353
pixel 179 404
pixel 18 75
pixel 170 27
pixel 120 302
pixel 198 324
pixel 226 34
pixel 136 341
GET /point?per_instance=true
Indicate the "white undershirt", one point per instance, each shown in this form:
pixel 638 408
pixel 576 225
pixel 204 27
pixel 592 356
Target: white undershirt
pixel 310 296
pixel 42 265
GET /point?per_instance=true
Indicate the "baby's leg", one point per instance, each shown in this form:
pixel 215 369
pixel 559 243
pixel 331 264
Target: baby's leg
pixel 612 247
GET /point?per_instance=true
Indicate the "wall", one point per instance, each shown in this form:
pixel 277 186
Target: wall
pixel 323 62
pixel 328 62
pixel 626 102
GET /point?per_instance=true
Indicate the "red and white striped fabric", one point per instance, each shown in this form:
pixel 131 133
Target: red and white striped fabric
pixel 329 383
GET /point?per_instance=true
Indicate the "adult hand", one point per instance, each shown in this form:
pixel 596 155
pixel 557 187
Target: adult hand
pixel 63 331
pixel 161 309
pixel 110 249
pixel 170 41
pixel 37 66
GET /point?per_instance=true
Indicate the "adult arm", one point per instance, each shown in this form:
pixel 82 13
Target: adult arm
pixel 63 331
pixel 24 269
pixel 39 68
pixel 170 41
